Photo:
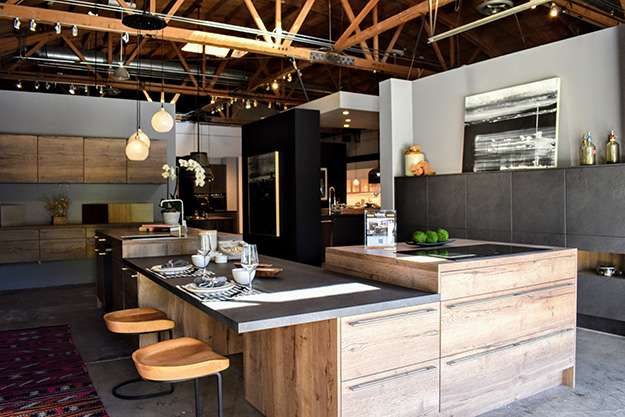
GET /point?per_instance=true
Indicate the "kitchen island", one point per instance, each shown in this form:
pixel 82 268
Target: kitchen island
pixel 507 321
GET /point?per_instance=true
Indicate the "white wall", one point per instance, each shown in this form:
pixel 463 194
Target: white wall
pixel 217 141
pixel 590 71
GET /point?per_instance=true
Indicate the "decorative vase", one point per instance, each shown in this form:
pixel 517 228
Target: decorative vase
pixel 171 217
pixel 59 219
pixel 412 157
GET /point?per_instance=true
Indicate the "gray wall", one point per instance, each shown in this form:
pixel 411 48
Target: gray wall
pixel 590 71
pixel 56 114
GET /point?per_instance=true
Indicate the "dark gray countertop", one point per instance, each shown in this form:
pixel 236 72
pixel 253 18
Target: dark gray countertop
pixel 301 294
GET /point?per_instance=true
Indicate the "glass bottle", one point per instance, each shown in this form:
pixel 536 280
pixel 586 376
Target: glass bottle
pixel 612 150
pixel 588 151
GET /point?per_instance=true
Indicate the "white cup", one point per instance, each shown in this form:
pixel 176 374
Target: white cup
pixel 241 276
pixel 200 261
pixel 221 259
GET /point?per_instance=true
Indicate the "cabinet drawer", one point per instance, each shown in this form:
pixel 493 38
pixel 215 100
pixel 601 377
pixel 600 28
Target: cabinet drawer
pixel 18 234
pixel 405 392
pixel 475 383
pixel 485 280
pixel 19 251
pixel 62 233
pixel 470 324
pixel 62 249
pixel 377 342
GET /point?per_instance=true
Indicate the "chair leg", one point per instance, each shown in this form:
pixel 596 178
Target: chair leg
pixel 117 394
pixel 220 405
pixel 199 412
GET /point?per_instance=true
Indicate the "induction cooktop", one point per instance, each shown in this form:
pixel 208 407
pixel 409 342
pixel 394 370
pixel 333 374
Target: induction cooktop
pixel 472 251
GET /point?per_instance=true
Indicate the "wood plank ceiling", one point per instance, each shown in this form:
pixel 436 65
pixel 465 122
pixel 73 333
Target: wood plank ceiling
pixel 347 45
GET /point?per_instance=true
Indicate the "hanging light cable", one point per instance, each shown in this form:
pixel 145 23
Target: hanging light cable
pixel 138 144
pixel 162 121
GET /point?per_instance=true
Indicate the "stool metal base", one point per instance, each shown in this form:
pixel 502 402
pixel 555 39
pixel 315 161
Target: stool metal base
pixel 199 409
pixel 121 396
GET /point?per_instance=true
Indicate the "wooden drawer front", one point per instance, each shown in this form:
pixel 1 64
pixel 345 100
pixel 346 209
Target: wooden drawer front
pixel 377 342
pixel 18 158
pixel 62 233
pixel 476 383
pixel 105 161
pixel 506 277
pixel 18 234
pixel 61 249
pixel 405 392
pixel 476 323
pixel 142 249
pixel 19 251
pixel 61 159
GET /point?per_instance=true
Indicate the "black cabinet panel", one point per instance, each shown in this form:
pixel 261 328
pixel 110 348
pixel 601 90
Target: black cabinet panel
pixel 596 201
pixel 538 201
pixel 411 205
pixel 446 201
pixel 488 204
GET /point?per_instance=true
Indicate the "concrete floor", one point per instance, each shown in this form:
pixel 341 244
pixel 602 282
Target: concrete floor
pixel 600 390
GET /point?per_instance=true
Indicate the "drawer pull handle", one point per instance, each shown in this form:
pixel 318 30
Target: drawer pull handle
pixel 101 253
pixel 507 347
pixel 101 240
pixel 108 250
pixel 369 384
pixel 135 276
pixel 125 268
pixel 365 322
pixel 514 294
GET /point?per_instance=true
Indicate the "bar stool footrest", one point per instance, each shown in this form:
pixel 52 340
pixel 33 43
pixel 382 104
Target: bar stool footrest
pixel 161 393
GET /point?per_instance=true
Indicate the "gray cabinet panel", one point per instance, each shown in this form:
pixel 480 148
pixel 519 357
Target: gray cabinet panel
pixel 447 201
pixel 410 203
pixel 596 243
pixel 488 202
pixel 538 202
pixel 489 235
pixel 532 238
pixel 595 201
pixel 600 296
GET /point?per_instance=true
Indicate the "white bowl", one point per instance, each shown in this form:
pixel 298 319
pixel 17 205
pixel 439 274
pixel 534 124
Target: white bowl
pixel 241 276
pixel 200 261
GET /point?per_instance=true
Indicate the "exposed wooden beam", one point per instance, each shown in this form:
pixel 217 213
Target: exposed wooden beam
pixel 152 6
pixel 404 16
pixel 376 38
pixel 471 37
pixel 352 26
pixel 278 24
pixel 77 52
pixel 109 49
pixel 177 34
pixel 33 50
pixel 258 20
pixel 11 43
pixel 184 63
pixel 299 21
pixel 174 100
pixel 393 41
pixel 123 4
pixel 135 52
pixel 437 50
pixel 278 75
pixel 262 69
pixel 350 15
pixel 203 66
pixel 588 13
pixel 147 96
pixel 174 8
pixel 220 69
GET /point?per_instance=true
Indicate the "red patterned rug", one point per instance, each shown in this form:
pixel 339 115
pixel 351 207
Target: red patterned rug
pixel 43 375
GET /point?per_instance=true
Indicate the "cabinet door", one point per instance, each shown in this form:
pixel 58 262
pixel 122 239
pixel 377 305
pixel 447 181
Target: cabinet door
pixel 219 184
pixel 117 285
pixel 61 159
pixel 149 171
pixel 18 158
pixel 62 249
pixel 130 277
pixel 105 161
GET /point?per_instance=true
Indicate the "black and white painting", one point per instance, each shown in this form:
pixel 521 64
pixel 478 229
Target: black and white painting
pixel 512 128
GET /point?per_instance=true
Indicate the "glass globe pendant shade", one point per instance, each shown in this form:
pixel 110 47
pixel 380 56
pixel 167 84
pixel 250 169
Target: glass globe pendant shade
pixel 136 148
pixel 162 121
pixel 141 136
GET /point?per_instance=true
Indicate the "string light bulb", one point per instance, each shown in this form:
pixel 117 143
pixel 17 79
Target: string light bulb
pixel 248 105
pixel 275 85
pixel 554 11
pixel 289 78
pixel 212 100
pixel 269 105
pixel 47 85
pixel 255 103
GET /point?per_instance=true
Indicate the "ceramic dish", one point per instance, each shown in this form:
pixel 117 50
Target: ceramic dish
pixel 430 245
pixel 268 272
pixel 201 290
pixel 169 270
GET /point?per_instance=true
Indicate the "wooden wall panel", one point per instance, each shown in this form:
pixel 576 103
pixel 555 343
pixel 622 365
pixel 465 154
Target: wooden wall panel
pixel 62 249
pixel 61 159
pixel 105 160
pixel 18 158
pixel 149 171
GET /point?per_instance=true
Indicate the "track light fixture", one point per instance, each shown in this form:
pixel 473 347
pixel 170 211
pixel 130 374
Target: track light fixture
pixel 57 28
pixel 86 89
pixel 255 103
pixel 289 78
pixel 47 85
pixel 16 23
pixel 554 11
pixel 19 84
pixel 72 89
pixel 32 25
pixel 125 37
pixel 212 100
pixel 74 31
pixel 248 105
pixel 101 90
pixel 37 85
pixel 269 105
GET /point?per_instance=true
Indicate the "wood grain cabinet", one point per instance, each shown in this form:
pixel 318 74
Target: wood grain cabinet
pixel 149 171
pixel 18 158
pixel 105 160
pixel 60 159
pixel 19 245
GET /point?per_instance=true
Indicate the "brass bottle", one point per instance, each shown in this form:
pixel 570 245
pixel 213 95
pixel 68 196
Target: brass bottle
pixel 588 151
pixel 612 150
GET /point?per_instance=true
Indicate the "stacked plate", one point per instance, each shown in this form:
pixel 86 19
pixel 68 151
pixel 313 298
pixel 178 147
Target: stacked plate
pixel 173 269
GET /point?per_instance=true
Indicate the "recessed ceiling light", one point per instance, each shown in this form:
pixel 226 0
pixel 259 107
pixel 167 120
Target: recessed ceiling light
pixel 346 125
pixel 348 120
pixel 275 85
pixel 554 10
pixel 345 112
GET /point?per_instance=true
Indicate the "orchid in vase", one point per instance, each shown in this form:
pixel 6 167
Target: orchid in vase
pixel 171 173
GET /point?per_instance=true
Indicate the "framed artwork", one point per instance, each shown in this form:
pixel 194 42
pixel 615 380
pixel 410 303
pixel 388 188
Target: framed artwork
pixel 263 182
pixel 323 184
pixel 512 128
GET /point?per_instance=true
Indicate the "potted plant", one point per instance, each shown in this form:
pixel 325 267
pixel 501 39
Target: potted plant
pixel 57 207
pixel 170 213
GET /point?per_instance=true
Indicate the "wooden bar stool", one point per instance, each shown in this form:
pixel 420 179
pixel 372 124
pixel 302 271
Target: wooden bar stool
pixel 180 360
pixel 139 321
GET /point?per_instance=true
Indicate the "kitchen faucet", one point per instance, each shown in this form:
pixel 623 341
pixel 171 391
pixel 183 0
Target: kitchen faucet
pixel 331 199
pixel 183 222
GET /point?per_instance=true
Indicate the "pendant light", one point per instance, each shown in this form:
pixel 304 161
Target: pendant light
pixel 121 73
pixel 138 144
pixel 162 121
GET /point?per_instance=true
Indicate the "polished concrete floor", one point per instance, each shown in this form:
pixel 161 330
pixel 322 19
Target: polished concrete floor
pixel 600 390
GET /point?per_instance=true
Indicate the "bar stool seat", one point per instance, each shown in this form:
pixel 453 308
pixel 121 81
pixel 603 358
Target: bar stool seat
pixel 180 360
pixel 138 320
